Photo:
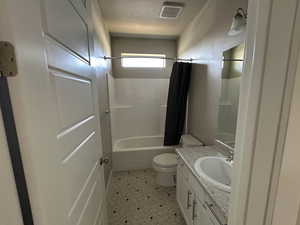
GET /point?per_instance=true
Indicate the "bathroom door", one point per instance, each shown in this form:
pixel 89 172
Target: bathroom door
pixel 56 105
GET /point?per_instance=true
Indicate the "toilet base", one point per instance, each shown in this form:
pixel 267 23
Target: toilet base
pixel 166 179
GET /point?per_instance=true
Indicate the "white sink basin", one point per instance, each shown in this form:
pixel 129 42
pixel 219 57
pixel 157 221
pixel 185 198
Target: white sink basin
pixel 215 171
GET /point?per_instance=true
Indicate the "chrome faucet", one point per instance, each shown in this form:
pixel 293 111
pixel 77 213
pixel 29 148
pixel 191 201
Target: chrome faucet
pixel 230 155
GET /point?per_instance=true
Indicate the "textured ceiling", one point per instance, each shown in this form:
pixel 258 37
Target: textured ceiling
pixel 141 17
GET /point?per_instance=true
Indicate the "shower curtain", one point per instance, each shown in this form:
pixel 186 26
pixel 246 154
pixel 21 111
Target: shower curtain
pixel 177 100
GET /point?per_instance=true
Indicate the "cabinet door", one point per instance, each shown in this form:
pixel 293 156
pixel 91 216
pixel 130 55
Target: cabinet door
pixel 201 214
pixel 184 196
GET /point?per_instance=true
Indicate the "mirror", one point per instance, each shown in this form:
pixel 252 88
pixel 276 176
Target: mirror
pixel 229 98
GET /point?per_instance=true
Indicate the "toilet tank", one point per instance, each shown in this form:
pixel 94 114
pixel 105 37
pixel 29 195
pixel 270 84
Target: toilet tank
pixel 188 140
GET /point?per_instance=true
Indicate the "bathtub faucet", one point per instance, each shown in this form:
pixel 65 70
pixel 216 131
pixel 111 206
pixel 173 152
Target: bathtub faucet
pixel 230 156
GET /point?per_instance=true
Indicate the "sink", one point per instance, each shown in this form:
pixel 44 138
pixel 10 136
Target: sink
pixel 215 171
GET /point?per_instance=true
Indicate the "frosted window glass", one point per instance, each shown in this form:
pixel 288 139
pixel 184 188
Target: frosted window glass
pixel 143 60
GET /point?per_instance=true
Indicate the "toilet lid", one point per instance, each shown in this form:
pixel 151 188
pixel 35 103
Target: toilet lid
pixel 165 160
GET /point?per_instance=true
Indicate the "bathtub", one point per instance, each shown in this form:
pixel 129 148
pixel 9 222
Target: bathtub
pixel 135 153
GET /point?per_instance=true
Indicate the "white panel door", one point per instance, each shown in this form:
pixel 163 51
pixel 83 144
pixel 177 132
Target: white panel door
pixel 55 100
pixel 66 29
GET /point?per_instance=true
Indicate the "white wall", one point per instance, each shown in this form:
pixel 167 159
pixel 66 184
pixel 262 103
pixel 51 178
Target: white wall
pixel 138 106
pixel 206 38
pixel 287 203
pixel 10 212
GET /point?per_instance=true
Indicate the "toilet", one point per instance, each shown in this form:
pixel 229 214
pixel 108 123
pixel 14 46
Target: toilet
pixel 165 164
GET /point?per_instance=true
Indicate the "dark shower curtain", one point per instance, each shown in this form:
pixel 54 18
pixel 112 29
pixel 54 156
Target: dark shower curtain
pixel 177 100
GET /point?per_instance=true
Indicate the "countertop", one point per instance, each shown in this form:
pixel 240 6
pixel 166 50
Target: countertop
pixel 189 156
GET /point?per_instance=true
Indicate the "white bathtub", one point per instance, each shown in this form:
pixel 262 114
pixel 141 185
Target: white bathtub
pixel 137 152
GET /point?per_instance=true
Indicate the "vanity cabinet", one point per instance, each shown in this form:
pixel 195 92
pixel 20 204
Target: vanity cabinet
pixel 192 199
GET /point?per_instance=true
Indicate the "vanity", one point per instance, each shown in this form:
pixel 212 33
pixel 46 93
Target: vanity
pixel 203 173
pixel 200 202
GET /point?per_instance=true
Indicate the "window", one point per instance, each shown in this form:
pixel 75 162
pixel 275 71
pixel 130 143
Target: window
pixel 143 60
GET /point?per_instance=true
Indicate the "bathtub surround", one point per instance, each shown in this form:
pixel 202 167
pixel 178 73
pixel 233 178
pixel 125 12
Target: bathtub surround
pixel 177 100
pixel 206 38
pixel 138 107
pixel 138 96
pixel 135 199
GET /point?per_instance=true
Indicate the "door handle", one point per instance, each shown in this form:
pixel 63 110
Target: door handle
pixel 194 210
pixel 103 160
pixel 188 204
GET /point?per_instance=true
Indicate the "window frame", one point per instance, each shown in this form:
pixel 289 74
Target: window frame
pixel 140 56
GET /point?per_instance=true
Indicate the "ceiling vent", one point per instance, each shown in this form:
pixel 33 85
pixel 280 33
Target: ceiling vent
pixel 171 10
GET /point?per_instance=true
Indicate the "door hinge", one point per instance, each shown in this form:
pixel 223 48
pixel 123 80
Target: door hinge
pixel 8 64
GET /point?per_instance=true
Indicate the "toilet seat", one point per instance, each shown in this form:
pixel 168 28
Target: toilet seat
pixel 166 160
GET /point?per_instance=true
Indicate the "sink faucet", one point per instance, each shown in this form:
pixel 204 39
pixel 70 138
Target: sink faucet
pixel 230 156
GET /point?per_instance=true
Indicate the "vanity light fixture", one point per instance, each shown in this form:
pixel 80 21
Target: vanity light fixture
pixel 239 22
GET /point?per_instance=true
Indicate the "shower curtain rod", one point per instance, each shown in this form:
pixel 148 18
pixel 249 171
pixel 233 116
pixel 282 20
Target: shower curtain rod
pixel 166 58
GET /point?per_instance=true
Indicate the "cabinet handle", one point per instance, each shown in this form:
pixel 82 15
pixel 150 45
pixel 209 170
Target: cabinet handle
pixel 211 209
pixel 188 204
pixel 194 210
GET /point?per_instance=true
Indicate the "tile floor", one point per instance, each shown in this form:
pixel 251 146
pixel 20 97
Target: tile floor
pixel 135 199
